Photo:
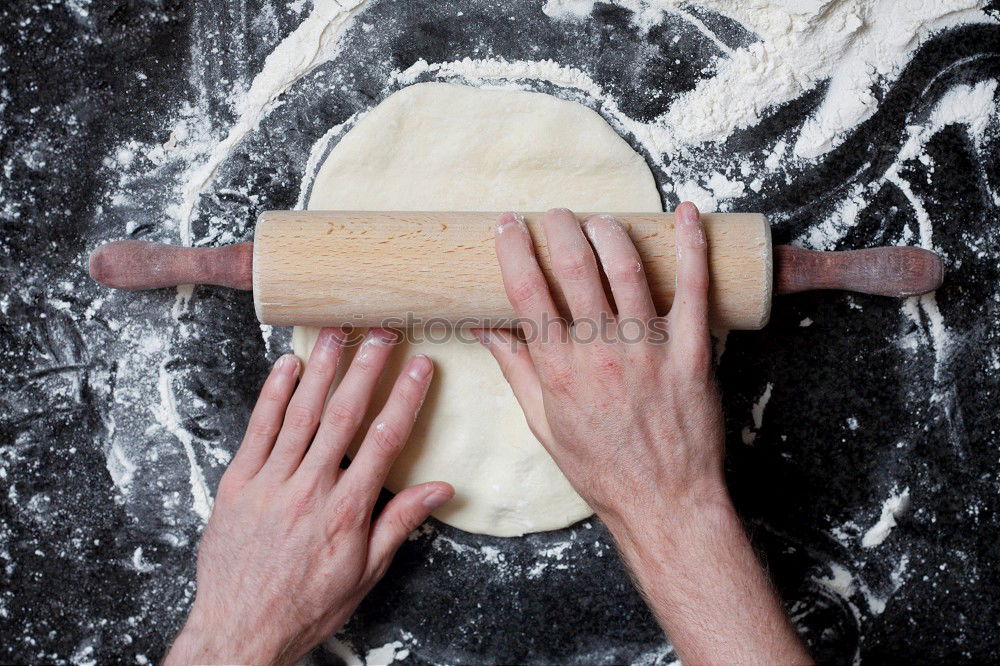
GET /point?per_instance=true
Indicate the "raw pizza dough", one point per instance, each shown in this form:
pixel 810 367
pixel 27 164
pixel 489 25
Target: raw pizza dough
pixel 438 146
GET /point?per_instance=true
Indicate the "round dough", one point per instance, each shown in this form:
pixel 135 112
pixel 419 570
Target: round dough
pixel 438 146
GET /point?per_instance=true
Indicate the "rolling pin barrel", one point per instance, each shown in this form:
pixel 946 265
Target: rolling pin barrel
pixel 406 269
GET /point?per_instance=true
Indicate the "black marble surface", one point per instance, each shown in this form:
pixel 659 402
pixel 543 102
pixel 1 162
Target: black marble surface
pixel 98 528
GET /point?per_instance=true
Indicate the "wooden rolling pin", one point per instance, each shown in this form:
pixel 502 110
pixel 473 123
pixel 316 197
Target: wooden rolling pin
pixel 376 268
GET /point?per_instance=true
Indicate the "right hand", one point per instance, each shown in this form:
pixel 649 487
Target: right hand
pixel 636 426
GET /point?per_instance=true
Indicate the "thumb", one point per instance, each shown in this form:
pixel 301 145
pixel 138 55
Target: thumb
pixel 404 513
pixel 518 369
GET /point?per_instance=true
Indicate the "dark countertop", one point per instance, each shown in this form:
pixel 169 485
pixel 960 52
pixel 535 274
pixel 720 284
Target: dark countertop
pixel 119 410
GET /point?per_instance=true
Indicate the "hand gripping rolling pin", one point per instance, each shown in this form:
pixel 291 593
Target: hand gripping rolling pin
pixel 328 268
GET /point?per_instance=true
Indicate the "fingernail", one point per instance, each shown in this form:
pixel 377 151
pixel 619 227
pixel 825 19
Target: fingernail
pixel 694 231
pixel 289 363
pixel 330 338
pixel 420 367
pixel 436 499
pixel 507 220
pixel 482 334
pixel 612 224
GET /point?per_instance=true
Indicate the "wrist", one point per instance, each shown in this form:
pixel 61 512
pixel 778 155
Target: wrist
pixel 205 639
pixel 681 537
pixel 702 579
pixel 669 523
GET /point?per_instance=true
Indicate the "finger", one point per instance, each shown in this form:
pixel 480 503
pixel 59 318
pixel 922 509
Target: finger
pixel 348 405
pixel 306 405
pixel 385 439
pixel 517 367
pixel 526 287
pixel 622 265
pixel 404 513
pixel 266 418
pixel 574 265
pixel 689 312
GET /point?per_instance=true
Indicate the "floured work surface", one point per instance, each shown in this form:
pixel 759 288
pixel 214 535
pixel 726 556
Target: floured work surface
pixel 861 430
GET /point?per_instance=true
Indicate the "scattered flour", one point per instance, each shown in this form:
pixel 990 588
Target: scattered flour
pixel 853 47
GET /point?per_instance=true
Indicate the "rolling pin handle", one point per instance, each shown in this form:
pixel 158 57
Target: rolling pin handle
pixel 882 271
pixel 135 264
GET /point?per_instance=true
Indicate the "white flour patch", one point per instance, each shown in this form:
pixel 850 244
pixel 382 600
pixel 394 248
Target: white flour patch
pixel 757 414
pixel 892 508
pixel 386 654
pixel 314 42
pixel 854 46
pixel 166 413
pixel 840 581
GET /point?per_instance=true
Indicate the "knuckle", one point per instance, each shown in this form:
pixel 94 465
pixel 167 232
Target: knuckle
pixel 411 392
pixel 405 522
pixel 301 418
pixel 627 272
pixel 381 569
pixel 574 265
pixel 273 393
pixel 301 502
pixel 345 515
pixel 528 289
pixel 342 417
pixel 263 429
pixel 387 438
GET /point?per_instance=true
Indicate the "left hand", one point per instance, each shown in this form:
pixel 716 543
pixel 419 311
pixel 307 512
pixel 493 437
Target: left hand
pixel 291 547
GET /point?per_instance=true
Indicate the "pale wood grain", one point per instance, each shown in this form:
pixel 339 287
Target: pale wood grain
pixel 364 268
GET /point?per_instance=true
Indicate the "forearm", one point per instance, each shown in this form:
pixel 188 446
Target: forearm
pixel 703 581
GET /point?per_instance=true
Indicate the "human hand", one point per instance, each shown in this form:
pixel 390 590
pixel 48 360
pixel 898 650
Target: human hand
pixel 291 548
pixel 635 423
pixel 636 426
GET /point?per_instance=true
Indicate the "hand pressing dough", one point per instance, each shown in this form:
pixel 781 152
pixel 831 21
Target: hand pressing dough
pixel 438 146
